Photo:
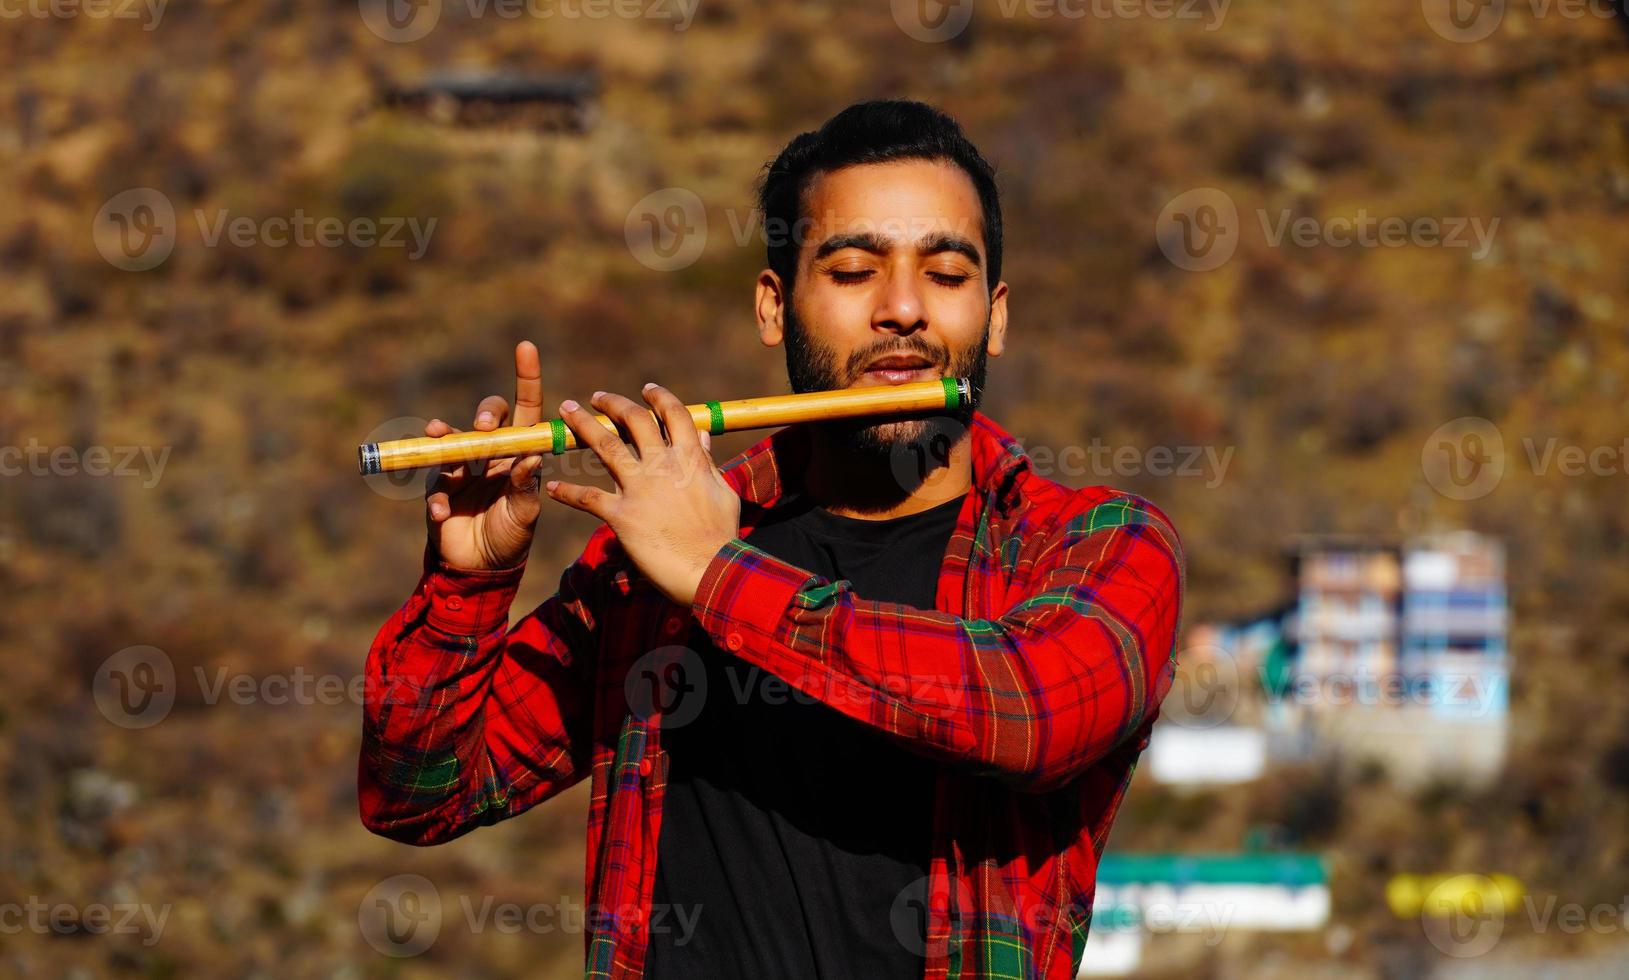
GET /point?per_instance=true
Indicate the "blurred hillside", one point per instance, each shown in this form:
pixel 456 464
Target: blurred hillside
pixel 260 553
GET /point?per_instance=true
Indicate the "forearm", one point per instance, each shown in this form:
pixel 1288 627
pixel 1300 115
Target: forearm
pixel 465 719
pixel 1033 696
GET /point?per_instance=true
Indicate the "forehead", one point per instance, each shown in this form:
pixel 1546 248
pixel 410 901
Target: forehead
pixel 901 200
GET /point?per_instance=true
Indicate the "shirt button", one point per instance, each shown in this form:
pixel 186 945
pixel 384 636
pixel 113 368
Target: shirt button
pixel 733 641
pixel 454 603
pixel 644 767
pixel 671 626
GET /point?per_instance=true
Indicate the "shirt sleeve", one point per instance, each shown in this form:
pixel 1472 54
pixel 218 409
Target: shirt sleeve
pixel 1033 697
pixel 467 720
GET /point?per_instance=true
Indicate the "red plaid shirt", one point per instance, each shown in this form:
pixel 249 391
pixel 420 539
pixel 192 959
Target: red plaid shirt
pixel 1034 682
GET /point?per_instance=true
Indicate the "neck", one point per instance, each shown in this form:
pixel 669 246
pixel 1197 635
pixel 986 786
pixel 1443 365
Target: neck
pixel 869 487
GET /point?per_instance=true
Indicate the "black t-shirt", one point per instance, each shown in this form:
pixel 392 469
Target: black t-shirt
pixel 795 839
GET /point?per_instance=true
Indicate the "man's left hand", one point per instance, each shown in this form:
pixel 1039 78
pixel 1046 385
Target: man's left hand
pixel 672 509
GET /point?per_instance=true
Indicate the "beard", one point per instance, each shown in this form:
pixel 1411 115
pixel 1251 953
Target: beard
pixel 814 366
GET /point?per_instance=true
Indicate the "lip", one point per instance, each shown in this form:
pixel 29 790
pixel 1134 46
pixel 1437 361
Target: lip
pixel 899 369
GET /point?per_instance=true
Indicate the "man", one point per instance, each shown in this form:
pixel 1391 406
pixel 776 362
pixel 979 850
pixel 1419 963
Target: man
pixel 864 702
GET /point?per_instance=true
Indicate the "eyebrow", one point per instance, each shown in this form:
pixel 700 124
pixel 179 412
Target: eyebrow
pixel 932 244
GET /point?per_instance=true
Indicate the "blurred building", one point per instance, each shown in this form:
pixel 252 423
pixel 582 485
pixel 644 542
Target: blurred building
pixel 1346 622
pixel 1394 653
pixel 1198 895
pixel 1455 621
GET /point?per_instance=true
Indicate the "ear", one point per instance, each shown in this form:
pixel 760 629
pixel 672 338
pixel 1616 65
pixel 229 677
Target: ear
pixel 998 321
pixel 771 308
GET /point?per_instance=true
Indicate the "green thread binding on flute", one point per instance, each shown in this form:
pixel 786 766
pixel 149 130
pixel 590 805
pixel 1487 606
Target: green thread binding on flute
pixel 715 413
pixel 953 394
pixel 557 436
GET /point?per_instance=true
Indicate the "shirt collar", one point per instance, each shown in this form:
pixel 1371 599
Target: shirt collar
pixel 763 473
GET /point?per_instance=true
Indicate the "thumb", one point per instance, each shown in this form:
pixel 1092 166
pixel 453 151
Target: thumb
pixel 706 441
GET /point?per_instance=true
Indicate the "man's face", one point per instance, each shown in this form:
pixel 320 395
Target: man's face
pixel 891 287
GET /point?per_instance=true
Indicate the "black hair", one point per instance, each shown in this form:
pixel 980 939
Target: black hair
pixel 870 132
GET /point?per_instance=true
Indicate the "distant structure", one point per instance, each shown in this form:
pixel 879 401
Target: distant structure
pixel 1205 897
pixel 566 102
pixel 1455 620
pixel 1346 619
pixel 1390 652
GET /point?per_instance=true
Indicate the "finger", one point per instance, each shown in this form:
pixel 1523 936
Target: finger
pixel 528 384
pixel 635 419
pixel 523 488
pixel 440 506
pixel 706 441
pixel 491 413
pixel 591 500
pixel 595 436
pixel 448 477
pixel 682 433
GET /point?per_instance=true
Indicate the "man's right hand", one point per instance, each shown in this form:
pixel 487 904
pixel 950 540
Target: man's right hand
pixel 482 515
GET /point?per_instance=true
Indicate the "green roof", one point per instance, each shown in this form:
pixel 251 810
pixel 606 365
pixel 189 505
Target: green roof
pixel 1212 869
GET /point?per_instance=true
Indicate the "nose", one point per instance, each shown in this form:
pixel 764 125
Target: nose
pixel 900 307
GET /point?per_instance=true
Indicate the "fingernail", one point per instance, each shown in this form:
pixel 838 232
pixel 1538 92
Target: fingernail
pixel 551 485
pixel 569 406
pixel 483 418
pixel 648 386
pixel 596 394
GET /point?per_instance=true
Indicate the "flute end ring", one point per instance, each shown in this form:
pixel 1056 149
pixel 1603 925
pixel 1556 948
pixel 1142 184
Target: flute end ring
pixel 367 458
